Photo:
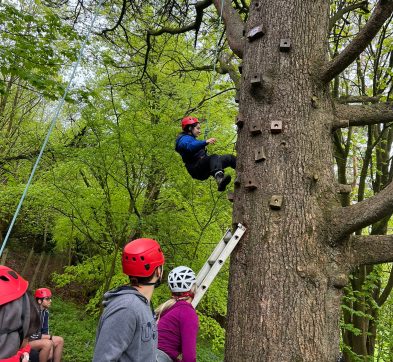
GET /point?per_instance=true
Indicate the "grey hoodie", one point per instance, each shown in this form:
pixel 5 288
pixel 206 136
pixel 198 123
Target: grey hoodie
pixel 14 318
pixel 127 330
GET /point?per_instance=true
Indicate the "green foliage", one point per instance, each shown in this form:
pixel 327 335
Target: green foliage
pixel 76 327
pixel 33 48
pixel 110 171
pixel 211 331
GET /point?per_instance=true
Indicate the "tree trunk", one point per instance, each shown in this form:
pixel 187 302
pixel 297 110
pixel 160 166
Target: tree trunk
pixel 37 270
pixel 285 276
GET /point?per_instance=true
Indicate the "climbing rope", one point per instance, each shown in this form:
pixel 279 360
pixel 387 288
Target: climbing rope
pixel 52 125
pixel 211 84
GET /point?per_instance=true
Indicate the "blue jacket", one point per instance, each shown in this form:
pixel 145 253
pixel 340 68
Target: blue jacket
pixel 44 325
pixel 190 149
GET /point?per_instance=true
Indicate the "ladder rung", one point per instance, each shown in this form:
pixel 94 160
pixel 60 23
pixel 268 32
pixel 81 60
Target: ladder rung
pixel 215 262
pixel 227 236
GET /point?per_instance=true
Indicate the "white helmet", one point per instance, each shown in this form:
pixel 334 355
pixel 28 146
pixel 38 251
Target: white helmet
pixel 181 279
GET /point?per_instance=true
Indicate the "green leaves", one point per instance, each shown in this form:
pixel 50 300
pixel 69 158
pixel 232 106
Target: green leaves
pixel 32 47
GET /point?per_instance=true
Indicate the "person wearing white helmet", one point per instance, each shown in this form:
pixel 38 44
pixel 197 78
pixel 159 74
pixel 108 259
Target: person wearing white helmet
pixel 178 322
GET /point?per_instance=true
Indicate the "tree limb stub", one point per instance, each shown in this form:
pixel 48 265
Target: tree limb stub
pixel 362 115
pixel 381 13
pixel 347 220
pixel 234 26
pixel 371 249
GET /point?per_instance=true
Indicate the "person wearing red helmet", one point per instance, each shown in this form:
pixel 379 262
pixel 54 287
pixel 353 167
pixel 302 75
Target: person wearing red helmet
pixel 48 345
pixel 127 329
pixel 198 163
pixel 18 316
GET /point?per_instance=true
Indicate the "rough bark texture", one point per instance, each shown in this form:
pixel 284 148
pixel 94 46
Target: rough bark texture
pixel 285 269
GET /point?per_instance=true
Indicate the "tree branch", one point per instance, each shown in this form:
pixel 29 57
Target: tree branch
pixel 227 67
pixel 358 99
pixel 199 7
pixel 380 14
pixel 371 249
pixel 386 291
pixel 206 99
pixel 339 15
pixel 347 220
pixel 362 115
pixel 122 13
pixel 234 26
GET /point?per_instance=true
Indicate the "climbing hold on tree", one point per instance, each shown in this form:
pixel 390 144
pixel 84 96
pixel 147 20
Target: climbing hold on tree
pixel 276 202
pixel 255 127
pixel 250 184
pixel 256 80
pixel 256 32
pixel 260 154
pixel 275 126
pixel 285 45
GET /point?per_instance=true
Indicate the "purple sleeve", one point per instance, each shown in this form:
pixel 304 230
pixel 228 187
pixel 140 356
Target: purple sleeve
pixel 189 331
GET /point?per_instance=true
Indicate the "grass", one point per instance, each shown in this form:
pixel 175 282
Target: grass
pixel 76 327
pixel 78 330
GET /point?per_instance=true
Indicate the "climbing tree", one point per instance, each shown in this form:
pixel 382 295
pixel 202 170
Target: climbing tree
pixel 288 273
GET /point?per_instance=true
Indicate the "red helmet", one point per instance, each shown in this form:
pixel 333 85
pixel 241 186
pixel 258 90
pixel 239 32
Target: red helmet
pixel 12 285
pixel 186 121
pixel 42 293
pixel 141 257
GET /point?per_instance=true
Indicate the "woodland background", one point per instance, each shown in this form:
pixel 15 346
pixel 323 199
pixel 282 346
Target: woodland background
pixel 110 173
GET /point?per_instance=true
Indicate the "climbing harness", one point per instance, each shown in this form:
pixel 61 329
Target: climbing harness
pixel 52 125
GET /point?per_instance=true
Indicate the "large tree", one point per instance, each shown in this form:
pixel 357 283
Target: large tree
pixel 288 273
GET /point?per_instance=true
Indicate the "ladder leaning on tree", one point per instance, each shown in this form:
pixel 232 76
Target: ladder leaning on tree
pixel 215 262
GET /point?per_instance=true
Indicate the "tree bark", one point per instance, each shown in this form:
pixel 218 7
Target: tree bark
pixel 286 275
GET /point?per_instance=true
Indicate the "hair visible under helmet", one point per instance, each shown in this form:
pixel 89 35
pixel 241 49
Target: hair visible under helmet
pixel 188 123
pixel 181 281
pixel 42 293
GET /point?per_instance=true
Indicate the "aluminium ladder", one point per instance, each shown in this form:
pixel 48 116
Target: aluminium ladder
pixel 215 262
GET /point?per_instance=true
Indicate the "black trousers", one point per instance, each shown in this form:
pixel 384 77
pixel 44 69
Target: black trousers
pixel 209 165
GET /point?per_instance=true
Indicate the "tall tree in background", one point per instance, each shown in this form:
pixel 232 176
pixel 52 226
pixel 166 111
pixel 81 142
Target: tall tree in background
pixel 363 159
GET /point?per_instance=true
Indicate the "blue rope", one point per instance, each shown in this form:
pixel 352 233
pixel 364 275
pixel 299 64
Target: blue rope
pixel 52 125
pixel 214 72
